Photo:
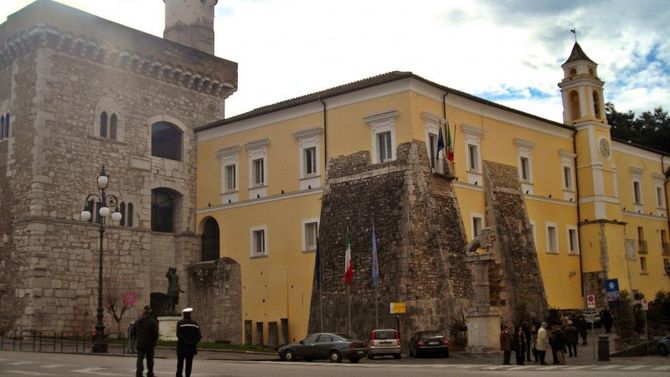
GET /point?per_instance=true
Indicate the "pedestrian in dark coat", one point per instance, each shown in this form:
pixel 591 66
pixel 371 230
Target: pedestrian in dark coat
pixel 571 339
pixel 557 343
pixel 506 345
pixel 582 328
pixel 188 337
pixel 607 320
pixel 145 331
pixel 527 333
pixel 519 345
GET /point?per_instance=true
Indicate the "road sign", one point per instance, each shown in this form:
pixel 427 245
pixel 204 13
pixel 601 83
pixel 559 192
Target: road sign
pixel 398 308
pixel 129 299
pixel 591 301
pixel 612 290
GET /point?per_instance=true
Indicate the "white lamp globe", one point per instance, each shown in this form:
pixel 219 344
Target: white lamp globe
pixel 104 211
pixel 117 216
pixel 103 180
pixel 85 215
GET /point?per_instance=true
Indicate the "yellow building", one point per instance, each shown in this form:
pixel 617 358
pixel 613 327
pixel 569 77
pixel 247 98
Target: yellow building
pixel 598 206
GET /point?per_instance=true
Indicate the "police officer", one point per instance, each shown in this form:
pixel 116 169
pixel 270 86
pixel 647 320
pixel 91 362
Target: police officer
pixel 188 336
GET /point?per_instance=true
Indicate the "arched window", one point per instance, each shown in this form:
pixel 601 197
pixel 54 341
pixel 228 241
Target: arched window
pixel 112 126
pixel 93 207
pixel 166 140
pixel 129 217
pixel 596 104
pixel 574 106
pixel 162 210
pixel 2 127
pixel 7 126
pixel 122 209
pixel 210 240
pixel 103 124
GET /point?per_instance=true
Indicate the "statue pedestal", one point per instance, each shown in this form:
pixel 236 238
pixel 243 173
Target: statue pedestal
pixel 167 328
pixel 483 330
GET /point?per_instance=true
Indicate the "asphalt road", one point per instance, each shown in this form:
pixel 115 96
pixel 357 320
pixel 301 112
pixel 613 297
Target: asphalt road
pixel 21 364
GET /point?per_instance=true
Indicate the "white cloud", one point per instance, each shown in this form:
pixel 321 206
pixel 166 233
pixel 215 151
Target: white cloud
pixel 288 48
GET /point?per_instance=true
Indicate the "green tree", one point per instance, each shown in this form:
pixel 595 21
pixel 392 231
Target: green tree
pixel 624 317
pixel 650 129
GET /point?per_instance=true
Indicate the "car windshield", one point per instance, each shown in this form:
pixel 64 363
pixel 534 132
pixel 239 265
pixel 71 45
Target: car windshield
pixel 385 334
pixel 430 334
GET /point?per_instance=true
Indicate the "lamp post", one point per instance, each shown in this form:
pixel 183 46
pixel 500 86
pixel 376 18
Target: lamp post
pixel 101 201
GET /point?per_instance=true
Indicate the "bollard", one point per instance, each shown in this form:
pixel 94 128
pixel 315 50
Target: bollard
pixel 603 348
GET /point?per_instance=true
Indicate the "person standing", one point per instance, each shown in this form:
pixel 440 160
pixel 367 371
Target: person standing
pixel 188 337
pixel 527 334
pixel 582 328
pixel 557 342
pixel 607 320
pixel 533 341
pixel 542 344
pixel 506 344
pixel 571 339
pixel 145 331
pixel 519 345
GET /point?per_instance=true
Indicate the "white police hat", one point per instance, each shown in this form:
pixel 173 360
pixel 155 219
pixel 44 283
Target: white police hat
pixel 187 310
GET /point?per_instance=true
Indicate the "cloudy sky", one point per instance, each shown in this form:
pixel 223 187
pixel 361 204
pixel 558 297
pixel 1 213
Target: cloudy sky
pixel 507 51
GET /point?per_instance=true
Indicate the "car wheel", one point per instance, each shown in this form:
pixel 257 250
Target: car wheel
pixel 411 352
pixel 396 356
pixel 289 355
pixel 334 357
pixel 446 353
pixel 662 350
pixel 370 356
pixel 354 360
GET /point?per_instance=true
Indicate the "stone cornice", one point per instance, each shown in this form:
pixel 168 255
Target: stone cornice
pixel 45 36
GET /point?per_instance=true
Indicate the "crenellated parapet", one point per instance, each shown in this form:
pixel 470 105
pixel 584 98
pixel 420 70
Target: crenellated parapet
pixel 156 67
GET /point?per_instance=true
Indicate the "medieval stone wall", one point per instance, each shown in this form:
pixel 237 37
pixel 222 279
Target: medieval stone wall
pixel 516 284
pixel 420 243
pixel 216 296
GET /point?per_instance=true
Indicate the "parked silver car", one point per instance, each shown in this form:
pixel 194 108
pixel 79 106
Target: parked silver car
pixel 333 347
pixel 384 342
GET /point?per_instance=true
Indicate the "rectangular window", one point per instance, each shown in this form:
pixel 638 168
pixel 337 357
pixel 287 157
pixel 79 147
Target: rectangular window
pixel 665 247
pixel 258 242
pixel 524 165
pixel 552 240
pixel 637 197
pixel 477 225
pixel 384 146
pixel 309 163
pixel 567 177
pixel 432 147
pixel 257 172
pixel 642 244
pixel 473 157
pixel 572 241
pixel 643 265
pixel 231 182
pixel 311 234
pixel 659 197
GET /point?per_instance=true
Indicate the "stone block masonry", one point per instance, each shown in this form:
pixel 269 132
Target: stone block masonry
pixel 516 284
pixel 420 241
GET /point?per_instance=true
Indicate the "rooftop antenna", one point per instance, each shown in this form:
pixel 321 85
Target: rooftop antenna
pixel 574 31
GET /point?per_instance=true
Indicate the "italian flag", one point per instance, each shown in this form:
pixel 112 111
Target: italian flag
pixel 348 266
pixel 450 149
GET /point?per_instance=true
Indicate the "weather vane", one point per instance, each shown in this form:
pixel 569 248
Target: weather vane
pixel 574 31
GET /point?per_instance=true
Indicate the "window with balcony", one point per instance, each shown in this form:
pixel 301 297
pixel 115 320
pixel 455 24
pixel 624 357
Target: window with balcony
pixel 641 243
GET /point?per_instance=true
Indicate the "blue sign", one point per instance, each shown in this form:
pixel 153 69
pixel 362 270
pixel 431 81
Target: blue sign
pixel 612 290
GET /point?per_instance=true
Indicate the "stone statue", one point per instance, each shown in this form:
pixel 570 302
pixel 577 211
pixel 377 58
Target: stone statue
pixel 484 240
pixel 173 289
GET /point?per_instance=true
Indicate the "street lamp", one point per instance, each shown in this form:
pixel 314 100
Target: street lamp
pixel 102 202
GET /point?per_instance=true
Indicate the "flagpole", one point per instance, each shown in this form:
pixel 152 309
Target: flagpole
pixel 321 296
pixel 349 308
pixel 376 284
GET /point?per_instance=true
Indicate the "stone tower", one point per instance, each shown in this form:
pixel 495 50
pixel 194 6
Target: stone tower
pixel 599 205
pixel 190 23
pixel 82 92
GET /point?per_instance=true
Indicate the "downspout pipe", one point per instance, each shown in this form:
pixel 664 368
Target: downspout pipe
pixel 579 215
pixel 325 137
pixel 444 105
pixel 667 179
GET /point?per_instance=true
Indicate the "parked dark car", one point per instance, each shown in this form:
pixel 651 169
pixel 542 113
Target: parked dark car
pixel 384 342
pixel 333 347
pixel 664 346
pixel 428 342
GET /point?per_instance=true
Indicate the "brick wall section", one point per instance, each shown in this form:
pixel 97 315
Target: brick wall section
pixel 420 243
pixel 216 296
pixel 516 284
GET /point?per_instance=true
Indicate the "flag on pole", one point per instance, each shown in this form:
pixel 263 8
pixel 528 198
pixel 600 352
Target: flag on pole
pixel 348 266
pixel 450 149
pixel 440 144
pixel 317 266
pixel 375 262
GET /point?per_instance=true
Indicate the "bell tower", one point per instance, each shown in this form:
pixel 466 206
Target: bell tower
pixel 190 23
pixel 581 89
